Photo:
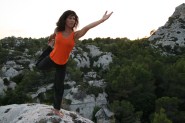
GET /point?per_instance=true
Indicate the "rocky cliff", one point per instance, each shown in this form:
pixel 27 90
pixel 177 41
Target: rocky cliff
pixel 171 36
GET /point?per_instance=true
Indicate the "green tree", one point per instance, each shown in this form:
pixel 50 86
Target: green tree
pixel 15 97
pixel 161 117
pixel 73 71
pixel 124 111
pixel 170 105
pixel 175 79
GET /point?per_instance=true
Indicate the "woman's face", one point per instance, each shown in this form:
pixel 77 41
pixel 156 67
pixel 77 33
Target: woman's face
pixel 70 21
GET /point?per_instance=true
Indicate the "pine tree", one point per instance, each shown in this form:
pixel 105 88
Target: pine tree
pixel 161 117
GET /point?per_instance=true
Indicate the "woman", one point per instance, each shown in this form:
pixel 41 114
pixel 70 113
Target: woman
pixel 65 38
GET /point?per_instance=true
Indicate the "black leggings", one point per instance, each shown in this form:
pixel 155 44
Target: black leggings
pixel 45 64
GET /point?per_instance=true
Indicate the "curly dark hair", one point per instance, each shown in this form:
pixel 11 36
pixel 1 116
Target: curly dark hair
pixel 62 20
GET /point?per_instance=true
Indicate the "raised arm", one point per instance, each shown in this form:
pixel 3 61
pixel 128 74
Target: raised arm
pixel 83 31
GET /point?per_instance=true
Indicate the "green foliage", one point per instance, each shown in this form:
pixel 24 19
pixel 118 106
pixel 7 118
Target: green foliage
pixel 68 101
pixel 17 79
pixel 128 80
pixel 161 117
pixel 145 103
pixel 6 81
pixel 124 111
pixel 15 97
pixel 171 106
pixel 46 97
pixel 94 90
pixel 74 72
pixel 3 55
pixel 175 78
pixel 96 109
pixel 29 82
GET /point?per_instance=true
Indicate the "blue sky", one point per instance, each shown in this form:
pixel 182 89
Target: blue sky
pixel 131 18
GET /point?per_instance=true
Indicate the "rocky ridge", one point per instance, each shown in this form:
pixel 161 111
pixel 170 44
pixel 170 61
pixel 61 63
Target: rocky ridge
pixel 171 36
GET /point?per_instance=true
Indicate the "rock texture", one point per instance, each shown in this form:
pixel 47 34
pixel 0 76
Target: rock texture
pixel 171 36
pixel 37 113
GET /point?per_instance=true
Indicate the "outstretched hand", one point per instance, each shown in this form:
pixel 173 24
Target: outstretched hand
pixel 83 31
pixel 106 16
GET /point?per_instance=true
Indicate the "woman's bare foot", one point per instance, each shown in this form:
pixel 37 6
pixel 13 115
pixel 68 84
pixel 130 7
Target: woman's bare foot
pixel 57 112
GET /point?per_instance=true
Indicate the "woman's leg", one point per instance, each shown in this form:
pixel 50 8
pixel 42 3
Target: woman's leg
pixel 59 85
pixel 44 54
pixel 45 63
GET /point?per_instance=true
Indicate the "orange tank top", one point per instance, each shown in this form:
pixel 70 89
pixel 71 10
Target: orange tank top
pixel 62 48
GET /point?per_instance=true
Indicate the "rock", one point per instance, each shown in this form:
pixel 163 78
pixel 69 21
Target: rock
pixel 171 36
pixel 37 113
